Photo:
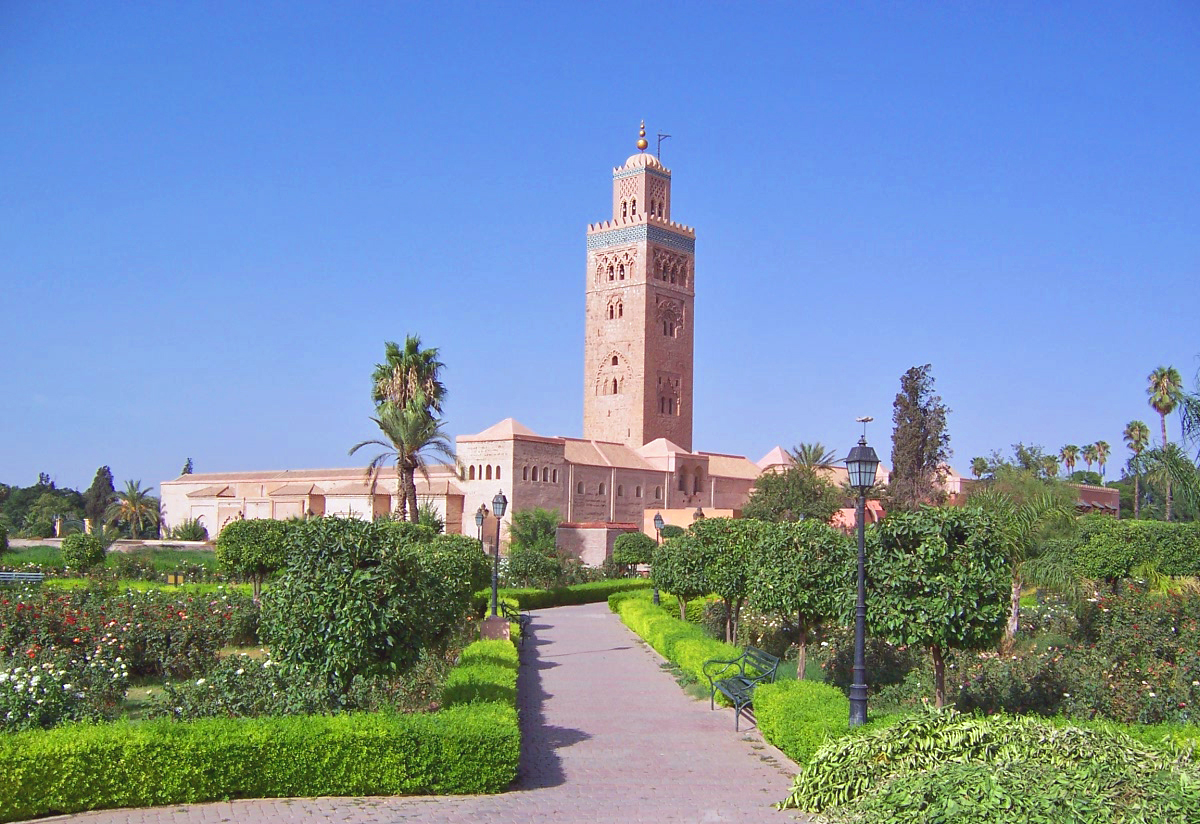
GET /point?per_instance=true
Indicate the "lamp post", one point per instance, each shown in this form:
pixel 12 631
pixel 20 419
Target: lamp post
pixel 658 526
pixel 698 514
pixel 499 504
pixel 861 464
pixel 480 516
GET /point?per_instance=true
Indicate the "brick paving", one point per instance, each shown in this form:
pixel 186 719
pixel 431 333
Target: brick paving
pixel 607 736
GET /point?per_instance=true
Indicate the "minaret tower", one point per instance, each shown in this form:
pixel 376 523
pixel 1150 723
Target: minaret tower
pixel 640 295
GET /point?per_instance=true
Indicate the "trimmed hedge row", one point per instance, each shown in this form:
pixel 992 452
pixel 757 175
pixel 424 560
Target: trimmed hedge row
pixel 471 746
pixel 683 644
pixel 1110 549
pixel 591 593
pixel 799 716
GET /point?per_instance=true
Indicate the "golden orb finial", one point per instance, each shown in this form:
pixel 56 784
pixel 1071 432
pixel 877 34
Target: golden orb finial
pixel 642 144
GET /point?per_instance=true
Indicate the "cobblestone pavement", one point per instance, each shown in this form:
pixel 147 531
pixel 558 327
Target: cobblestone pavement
pixel 607 736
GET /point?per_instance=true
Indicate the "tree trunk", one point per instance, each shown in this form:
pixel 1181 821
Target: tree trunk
pixel 729 621
pixel 413 514
pixel 682 607
pixel 1163 418
pixel 1014 614
pixel 257 580
pixel 1136 495
pixel 939 677
pixel 802 647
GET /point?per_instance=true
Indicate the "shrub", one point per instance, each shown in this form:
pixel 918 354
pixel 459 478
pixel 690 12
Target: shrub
pixel 991 770
pixel 487 671
pixel 82 552
pixel 799 716
pixel 683 644
pixel 253 549
pixel 189 529
pixel 589 593
pixel 633 548
pixel 79 687
pixel 465 749
pixel 3 539
pixel 365 598
pixel 531 567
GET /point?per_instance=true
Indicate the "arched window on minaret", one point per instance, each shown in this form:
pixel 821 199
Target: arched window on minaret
pixel 633 206
pixel 615 361
pixel 624 209
pixel 610 272
pixel 611 313
pixel 620 310
pixel 621 271
pixel 614 386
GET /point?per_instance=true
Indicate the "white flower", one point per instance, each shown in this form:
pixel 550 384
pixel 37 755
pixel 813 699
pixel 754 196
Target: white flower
pixel 1152 695
pixel 239 672
pixel 1066 695
pixel 200 682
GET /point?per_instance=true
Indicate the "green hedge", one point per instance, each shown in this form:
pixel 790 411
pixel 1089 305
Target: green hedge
pixel 471 746
pixel 1110 549
pixel 799 716
pixel 683 644
pixel 530 598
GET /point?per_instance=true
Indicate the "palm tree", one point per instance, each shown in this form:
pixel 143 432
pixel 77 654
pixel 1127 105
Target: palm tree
pixel 814 455
pixel 1021 528
pixel 1050 466
pixel 1169 468
pixel 1089 455
pixel 1163 391
pixel 1069 454
pixel 1137 438
pixel 979 467
pixel 135 506
pixel 1102 450
pixel 412 433
pixel 409 375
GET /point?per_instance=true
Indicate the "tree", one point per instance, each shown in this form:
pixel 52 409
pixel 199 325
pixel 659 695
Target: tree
pixel 679 568
pixel 979 467
pixel 98 496
pixel 804 571
pixel 634 548
pixel 253 549
pixel 1069 455
pixel 135 507
pixel 1089 455
pixel 728 546
pixel 920 442
pixel 1050 466
pixel 939 579
pixel 796 493
pixel 1102 451
pixel 1021 522
pixel 814 455
pixel 1163 391
pixel 1170 470
pixel 1137 438
pixel 412 433
pixel 82 552
pixel 409 376
pixel 535 528
pixel 187 468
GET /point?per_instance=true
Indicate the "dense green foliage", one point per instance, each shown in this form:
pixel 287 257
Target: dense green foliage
pixel 1109 550
pixel 487 671
pixel 253 549
pixel 82 552
pixel 3 539
pixel 940 580
pixel 679 567
pixel 920 442
pixel 590 593
pixel 634 548
pixel 803 571
pixel 535 529
pixel 464 749
pixel 799 716
pixel 945 767
pixel 797 493
pixel 363 598
pixel 189 529
pixel 99 496
pixel 684 644
pixel 29 512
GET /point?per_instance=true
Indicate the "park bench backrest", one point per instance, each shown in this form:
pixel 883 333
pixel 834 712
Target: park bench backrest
pixel 764 664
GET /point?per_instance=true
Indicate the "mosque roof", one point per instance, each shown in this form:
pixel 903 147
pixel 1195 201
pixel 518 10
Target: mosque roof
pixel 661 447
pixel 641 160
pixel 731 466
pixel 776 457
pixel 507 430
pixel 602 453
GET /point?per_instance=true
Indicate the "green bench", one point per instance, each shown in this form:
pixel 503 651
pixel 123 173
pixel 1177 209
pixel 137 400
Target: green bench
pixel 523 619
pixel 21 577
pixel 737 678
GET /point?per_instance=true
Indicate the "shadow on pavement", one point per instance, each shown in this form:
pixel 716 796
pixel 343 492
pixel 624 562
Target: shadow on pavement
pixel 540 765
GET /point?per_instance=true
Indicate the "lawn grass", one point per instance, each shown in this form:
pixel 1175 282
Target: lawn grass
pixel 164 559
pixel 48 556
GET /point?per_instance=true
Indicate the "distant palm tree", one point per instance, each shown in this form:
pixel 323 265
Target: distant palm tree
pixel 1163 392
pixel 1069 454
pixel 979 467
pixel 412 434
pixel 1137 438
pixel 1170 468
pixel 814 455
pixel 409 376
pixel 1050 466
pixel 1089 455
pixel 1102 450
pixel 135 506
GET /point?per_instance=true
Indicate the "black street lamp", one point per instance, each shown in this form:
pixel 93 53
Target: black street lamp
pixel 861 464
pixel 499 504
pixel 480 516
pixel 659 523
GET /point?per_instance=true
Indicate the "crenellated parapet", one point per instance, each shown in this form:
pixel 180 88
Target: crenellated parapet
pixel 620 223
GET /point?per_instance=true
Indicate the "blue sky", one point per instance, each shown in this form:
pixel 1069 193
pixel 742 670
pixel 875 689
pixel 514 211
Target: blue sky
pixel 212 216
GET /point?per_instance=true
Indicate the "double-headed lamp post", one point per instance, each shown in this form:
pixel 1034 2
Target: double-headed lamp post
pixel 659 523
pixel 499 504
pixel 861 464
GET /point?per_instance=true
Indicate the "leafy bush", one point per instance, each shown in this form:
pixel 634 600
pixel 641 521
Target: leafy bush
pixel 534 529
pixel 189 529
pixel 634 548
pixel 671 531
pixel 942 767
pixel 253 549
pixel 799 716
pixel 82 552
pixel 683 644
pixel 487 671
pixel 465 749
pixel 531 567
pixel 3 539
pixel 79 687
pixel 1109 549
pixel 365 598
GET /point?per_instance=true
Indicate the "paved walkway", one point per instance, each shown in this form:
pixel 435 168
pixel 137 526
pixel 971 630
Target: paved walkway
pixel 607 736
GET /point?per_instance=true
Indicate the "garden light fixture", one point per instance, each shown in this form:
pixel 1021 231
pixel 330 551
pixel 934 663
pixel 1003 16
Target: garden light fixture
pixel 499 505
pixel 861 464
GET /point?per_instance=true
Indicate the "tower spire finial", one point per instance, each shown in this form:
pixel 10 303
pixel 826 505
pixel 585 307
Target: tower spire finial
pixel 642 143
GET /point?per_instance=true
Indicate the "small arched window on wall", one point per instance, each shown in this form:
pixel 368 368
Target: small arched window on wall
pixel 525 473
pixel 610 272
pixel 614 360
pixel 471 474
pixel 696 482
pixel 658 493
pixel 620 491
pixel 497 473
pixel 624 209
pixel 633 206
pixel 545 475
pixel 611 312
pixel 601 489
pixel 489 472
pixel 614 386
pixel 554 476
pixel 579 488
pixel 621 271
pixel 620 310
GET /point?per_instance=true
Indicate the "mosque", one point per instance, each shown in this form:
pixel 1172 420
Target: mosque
pixel 636 457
